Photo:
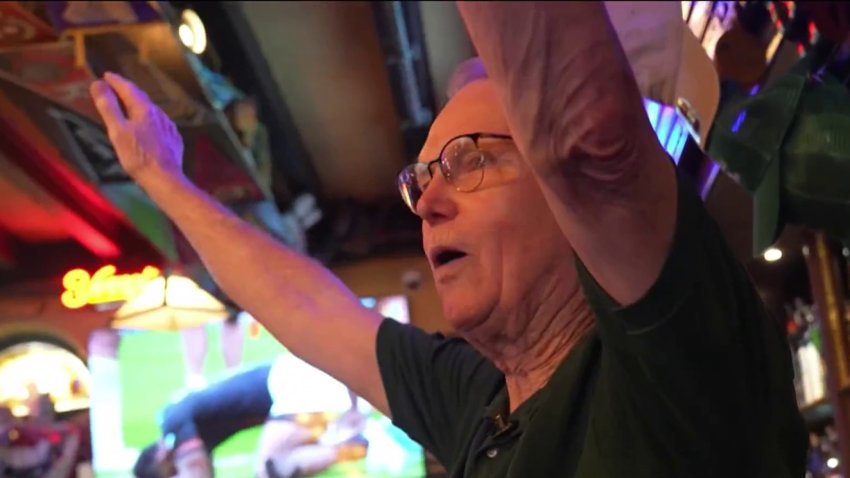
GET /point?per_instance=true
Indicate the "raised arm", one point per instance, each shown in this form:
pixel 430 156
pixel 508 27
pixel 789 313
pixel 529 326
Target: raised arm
pixel 300 302
pixel 575 113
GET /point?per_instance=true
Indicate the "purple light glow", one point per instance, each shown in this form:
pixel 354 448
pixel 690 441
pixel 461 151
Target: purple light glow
pixel 739 121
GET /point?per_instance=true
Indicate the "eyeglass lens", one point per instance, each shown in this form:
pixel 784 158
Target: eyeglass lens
pixel 461 163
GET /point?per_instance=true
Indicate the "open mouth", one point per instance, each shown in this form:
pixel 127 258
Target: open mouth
pixel 443 255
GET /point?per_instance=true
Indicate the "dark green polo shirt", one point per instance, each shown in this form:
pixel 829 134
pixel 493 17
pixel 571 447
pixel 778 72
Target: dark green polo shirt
pixel 693 380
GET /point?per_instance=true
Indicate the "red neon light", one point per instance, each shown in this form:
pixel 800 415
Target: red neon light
pixel 43 164
pixel 7 255
pixel 89 237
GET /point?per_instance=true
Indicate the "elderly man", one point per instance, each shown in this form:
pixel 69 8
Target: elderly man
pixel 607 330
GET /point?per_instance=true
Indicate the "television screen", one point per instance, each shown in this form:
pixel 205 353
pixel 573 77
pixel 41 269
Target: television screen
pixel 239 365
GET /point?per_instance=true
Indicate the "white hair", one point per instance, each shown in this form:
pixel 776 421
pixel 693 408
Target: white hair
pixel 468 71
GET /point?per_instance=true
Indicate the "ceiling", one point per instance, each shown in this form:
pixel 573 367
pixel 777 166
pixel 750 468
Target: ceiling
pixel 326 60
pixel 331 84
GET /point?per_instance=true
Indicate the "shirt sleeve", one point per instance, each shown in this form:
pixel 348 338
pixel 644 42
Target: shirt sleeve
pixel 436 387
pixel 698 355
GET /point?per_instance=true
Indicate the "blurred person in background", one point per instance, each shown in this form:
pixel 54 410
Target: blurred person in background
pixel 197 421
pixel 606 330
pixel 196 346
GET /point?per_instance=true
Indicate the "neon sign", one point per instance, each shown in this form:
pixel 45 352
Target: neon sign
pixel 103 286
pixel 672 128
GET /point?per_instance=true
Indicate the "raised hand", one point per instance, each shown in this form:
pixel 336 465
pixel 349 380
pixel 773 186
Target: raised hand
pixel 145 139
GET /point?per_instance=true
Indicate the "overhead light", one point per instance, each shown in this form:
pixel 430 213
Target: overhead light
pixel 772 254
pixel 192 32
pixel 171 303
pixel 832 463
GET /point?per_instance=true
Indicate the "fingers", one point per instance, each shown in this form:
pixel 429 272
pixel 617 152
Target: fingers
pixel 107 105
pixel 133 98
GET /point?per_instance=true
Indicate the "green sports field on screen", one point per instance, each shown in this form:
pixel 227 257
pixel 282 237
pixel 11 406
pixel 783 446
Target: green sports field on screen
pixel 152 369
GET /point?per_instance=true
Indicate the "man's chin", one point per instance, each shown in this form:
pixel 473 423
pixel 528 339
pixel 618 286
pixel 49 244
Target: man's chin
pixel 464 318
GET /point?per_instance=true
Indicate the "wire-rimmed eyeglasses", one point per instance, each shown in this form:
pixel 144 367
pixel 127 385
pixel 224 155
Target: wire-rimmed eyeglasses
pixel 462 162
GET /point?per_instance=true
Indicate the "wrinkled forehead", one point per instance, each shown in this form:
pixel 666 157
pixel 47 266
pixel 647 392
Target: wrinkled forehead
pixel 474 109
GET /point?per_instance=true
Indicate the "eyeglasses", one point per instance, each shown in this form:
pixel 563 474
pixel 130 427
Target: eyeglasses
pixel 461 162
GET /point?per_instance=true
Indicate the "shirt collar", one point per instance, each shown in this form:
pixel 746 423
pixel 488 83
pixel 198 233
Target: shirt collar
pixel 564 378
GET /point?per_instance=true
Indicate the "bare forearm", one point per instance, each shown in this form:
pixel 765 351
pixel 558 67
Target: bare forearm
pixel 563 57
pixel 299 301
pixel 576 114
pixel 249 265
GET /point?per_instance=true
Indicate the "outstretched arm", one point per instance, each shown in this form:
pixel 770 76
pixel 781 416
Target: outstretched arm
pixel 300 302
pixel 576 115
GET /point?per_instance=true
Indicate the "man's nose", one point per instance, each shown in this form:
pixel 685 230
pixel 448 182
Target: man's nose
pixel 437 202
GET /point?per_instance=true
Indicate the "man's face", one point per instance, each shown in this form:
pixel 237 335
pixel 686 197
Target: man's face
pixel 512 248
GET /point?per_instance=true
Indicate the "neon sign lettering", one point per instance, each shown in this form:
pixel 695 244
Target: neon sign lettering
pixel 103 286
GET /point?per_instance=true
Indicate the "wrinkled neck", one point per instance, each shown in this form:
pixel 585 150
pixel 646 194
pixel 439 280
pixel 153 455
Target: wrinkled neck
pixel 537 339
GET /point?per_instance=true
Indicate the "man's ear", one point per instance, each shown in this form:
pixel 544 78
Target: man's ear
pixel 468 71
